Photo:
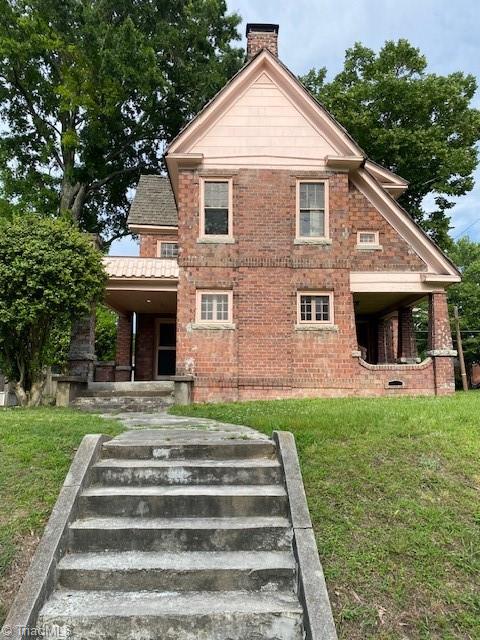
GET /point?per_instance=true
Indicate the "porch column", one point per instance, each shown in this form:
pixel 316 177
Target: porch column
pixel 391 339
pixel 440 343
pixel 123 361
pixel 382 341
pixel 81 356
pixel 407 346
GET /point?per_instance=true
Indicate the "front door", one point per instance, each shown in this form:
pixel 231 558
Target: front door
pixel 166 348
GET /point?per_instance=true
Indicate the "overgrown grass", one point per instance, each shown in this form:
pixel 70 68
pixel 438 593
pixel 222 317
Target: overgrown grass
pixel 393 487
pixel 36 449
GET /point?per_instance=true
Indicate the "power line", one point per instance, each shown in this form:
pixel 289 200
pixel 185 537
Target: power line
pixel 467 228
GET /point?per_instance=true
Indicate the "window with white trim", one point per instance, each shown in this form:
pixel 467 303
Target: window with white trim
pixel 312 209
pixel 368 238
pixel 214 306
pixel 216 208
pixel 314 307
pixel 167 249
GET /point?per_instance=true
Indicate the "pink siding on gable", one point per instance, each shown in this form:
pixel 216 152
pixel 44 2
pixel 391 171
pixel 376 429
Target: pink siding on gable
pixel 264 122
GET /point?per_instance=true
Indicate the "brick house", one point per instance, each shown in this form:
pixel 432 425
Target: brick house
pixel 274 259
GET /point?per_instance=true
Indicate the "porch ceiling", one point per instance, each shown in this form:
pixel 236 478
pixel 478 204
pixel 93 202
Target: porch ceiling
pixel 142 301
pixel 378 303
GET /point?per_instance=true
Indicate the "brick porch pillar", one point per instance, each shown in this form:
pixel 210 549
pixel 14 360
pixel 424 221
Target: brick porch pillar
pixel 391 339
pixel 440 343
pixel 407 345
pixel 123 360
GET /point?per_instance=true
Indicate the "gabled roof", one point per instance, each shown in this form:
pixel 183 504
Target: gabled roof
pixel 154 203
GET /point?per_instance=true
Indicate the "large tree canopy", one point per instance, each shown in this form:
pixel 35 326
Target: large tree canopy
pixel 90 91
pixel 50 274
pixel 418 124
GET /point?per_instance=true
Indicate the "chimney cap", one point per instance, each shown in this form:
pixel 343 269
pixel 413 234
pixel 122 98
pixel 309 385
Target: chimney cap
pixel 261 27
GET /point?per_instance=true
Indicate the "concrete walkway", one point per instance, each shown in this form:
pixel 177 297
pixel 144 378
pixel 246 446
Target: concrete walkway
pixel 175 426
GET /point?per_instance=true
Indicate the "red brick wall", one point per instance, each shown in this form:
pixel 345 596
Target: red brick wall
pixel 265 356
pixel 144 346
pixel 148 243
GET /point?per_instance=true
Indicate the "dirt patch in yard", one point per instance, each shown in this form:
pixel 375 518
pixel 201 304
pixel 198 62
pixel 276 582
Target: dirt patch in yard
pixel 12 580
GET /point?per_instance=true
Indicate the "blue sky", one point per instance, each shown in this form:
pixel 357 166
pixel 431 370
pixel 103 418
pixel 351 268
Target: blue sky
pixel 316 33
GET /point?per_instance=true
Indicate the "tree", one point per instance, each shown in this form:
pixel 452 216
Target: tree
pixel 466 295
pixel 105 333
pixel 419 125
pixel 91 90
pixel 50 273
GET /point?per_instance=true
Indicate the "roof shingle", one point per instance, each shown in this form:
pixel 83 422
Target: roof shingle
pixel 154 203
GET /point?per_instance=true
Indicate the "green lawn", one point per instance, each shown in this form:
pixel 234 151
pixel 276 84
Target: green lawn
pixel 36 449
pixel 394 492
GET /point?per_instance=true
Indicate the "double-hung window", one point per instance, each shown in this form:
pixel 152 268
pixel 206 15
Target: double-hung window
pixel 312 210
pixel 214 307
pixel 216 209
pixel 314 307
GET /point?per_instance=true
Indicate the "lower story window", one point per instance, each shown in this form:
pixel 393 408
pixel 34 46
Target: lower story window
pixel 315 307
pixel 214 306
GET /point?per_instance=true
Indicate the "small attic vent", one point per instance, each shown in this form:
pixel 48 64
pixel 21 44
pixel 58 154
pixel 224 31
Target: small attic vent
pixel 395 383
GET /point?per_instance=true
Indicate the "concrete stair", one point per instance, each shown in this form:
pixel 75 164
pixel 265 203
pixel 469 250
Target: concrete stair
pixel 180 537
pixel 115 397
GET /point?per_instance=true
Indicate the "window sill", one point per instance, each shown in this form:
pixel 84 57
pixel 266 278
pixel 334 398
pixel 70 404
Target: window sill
pixel 316 327
pixel 369 247
pixel 215 326
pixel 215 240
pixel 326 241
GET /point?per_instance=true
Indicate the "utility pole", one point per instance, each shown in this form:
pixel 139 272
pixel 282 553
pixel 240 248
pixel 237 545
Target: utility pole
pixel 460 350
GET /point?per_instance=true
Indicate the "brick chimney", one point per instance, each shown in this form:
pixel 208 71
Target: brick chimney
pixel 261 36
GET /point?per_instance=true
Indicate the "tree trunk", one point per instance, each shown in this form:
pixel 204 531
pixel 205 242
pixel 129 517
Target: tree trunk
pixel 21 394
pixel 36 392
pixel 72 198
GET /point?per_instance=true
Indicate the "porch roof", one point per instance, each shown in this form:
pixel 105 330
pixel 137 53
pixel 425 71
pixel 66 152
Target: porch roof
pixel 135 268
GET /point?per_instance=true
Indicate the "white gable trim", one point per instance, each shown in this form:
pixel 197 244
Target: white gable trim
pixel 436 261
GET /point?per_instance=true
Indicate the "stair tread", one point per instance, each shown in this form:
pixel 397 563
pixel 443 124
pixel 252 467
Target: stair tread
pixel 118 604
pixel 179 561
pixel 180 523
pixel 207 439
pixel 249 463
pixel 187 490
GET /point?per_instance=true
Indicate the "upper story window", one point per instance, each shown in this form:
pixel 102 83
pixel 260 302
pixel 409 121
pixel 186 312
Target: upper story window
pixel 214 306
pixel 167 249
pixel 216 209
pixel 368 240
pixel 315 307
pixel 312 210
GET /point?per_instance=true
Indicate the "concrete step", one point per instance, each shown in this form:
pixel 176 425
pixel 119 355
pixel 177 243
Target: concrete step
pixel 181 534
pixel 118 393
pixel 90 615
pixel 121 472
pixel 208 447
pixel 184 501
pixel 187 571
pixel 122 404
pixel 138 385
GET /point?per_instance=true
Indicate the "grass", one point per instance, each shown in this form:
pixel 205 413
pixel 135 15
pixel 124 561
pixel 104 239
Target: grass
pixel 36 449
pixel 393 487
